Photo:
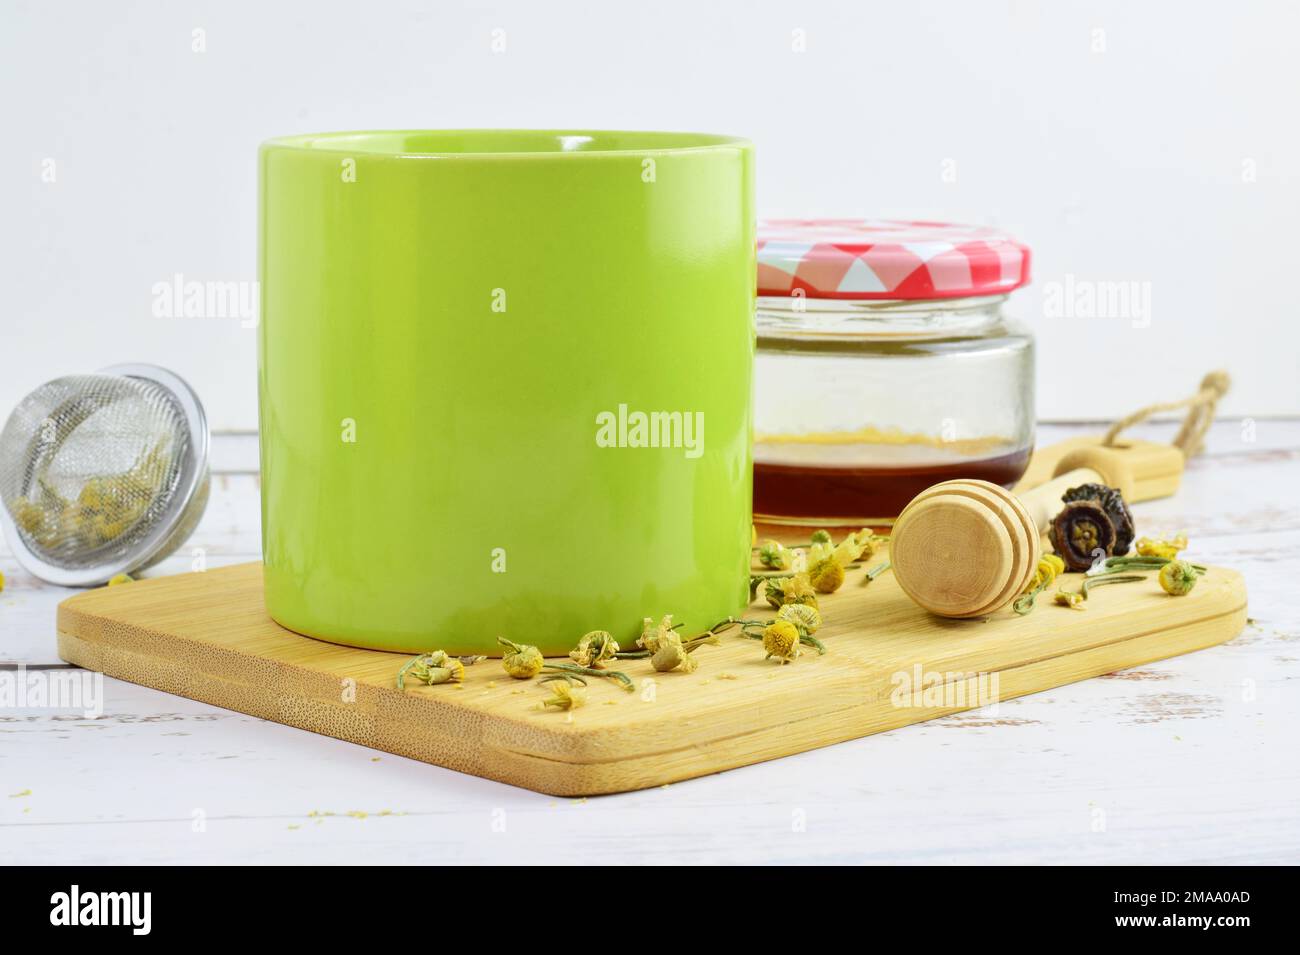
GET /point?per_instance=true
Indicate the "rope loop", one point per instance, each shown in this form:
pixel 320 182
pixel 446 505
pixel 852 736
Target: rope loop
pixel 1200 414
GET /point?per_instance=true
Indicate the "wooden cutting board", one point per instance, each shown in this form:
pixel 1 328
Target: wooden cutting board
pixel 207 636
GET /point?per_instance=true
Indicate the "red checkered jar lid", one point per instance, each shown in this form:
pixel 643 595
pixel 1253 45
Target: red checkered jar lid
pixel 884 259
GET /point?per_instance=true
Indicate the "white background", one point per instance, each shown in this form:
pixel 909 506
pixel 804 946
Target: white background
pixel 1152 142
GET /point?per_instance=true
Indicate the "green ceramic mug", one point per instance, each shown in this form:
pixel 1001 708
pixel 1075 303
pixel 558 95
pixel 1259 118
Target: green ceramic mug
pixel 505 384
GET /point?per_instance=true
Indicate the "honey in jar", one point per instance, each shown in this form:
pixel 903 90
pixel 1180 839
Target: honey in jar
pixel 886 363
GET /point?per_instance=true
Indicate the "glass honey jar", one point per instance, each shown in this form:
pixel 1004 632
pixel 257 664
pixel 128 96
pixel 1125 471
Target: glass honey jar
pixel 886 363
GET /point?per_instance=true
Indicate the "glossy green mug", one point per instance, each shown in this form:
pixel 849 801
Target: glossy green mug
pixel 505 384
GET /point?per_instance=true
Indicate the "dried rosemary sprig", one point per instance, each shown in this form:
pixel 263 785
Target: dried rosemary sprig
pixel 563 678
pixel 1050 566
pixel 1075 599
pixel 690 645
pixel 572 669
pixel 676 656
pixel 1113 564
pixel 875 572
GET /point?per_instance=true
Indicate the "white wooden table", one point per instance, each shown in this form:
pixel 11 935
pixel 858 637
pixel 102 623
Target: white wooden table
pixel 1192 760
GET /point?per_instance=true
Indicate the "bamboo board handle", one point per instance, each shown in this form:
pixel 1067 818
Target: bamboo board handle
pixel 1147 469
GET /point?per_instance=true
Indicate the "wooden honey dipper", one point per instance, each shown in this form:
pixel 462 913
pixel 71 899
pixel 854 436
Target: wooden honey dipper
pixel 968 548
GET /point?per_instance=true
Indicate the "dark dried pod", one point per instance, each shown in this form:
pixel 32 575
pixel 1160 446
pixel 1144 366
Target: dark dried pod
pixel 1082 532
pixel 1113 502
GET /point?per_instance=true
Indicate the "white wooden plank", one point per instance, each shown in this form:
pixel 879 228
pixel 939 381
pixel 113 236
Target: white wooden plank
pixel 1187 761
pixel 1171 764
pixel 234 452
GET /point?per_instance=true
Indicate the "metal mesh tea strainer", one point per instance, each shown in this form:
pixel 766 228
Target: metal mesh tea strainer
pixel 103 474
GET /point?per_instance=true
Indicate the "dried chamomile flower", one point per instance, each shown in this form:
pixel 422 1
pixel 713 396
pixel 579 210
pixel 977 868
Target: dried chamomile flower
pixel 521 661
pixel 105 509
pixel 1146 547
pixel 796 589
pixel 455 669
pixel 120 579
pixel 805 617
pixel 827 575
pixel 28 515
pixel 432 668
pixel 652 633
pixel 671 655
pixel 852 549
pixel 1070 598
pixel 1178 577
pixel 775 555
pixel 781 640
pixel 821 537
pixel 566 695
pixel 1050 566
pixel 806 620
pixel 848 551
pixel 594 649
pixel 857 546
